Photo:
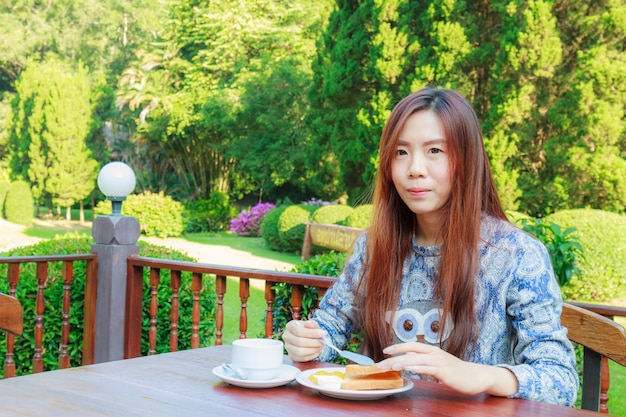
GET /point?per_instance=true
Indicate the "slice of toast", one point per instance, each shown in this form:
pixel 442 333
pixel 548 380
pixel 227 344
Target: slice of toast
pixel 371 377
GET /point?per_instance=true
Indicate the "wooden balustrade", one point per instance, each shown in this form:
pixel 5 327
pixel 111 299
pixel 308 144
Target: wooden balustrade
pixel 135 290
pixel 17 273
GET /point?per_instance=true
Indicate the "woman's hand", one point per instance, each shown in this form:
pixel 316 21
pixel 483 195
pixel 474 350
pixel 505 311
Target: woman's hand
pixel 466 377
pixel 302 340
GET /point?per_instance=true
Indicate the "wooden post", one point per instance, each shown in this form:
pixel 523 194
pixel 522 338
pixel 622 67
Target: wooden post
pixel 306 245
pixel 115 238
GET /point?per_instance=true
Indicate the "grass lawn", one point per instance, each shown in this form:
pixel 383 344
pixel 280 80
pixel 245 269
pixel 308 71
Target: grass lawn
pixel 48 232
pixel 253 245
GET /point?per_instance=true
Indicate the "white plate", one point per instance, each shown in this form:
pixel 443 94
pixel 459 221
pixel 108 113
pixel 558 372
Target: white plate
pixel 286 374
pixel 303 379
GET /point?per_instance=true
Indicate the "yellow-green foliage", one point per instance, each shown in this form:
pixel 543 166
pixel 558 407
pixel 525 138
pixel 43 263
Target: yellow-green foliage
pixel 331 214
pixel 603 266
pixel 158 214
pixel 361 216
pixel 19 205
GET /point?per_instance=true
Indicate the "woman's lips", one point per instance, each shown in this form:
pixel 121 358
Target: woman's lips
pixel 418 191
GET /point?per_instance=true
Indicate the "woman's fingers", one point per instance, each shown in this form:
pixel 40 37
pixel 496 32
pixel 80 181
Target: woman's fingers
pixel 466 377
pixel 302 340
pixel 413 347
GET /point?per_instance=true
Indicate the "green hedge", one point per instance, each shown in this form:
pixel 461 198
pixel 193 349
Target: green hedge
pixel 291 226
pixel 212 215
pixel 602 268
pixel 19 205
pixel 284 226
pixel 269 228
pixel 361 216
pixel 74 243
pixel 158 214
pixel 331 214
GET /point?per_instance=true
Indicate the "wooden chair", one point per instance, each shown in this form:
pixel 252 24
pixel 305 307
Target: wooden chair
pixel 11 318
pixel 11 322
pixel 602 339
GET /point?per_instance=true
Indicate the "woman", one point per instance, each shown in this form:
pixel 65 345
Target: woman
pixel 442 285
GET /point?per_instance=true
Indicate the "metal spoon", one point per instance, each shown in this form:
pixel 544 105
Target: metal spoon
pixel 354 357
pixel 233 371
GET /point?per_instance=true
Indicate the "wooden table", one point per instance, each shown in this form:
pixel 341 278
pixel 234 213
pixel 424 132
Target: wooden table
pixel 182 384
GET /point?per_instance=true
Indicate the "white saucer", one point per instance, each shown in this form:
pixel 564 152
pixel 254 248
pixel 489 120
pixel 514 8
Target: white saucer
pixel 303 379
pixel 286 374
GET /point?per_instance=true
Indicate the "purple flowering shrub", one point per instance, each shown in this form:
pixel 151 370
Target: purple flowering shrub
pixel 248 223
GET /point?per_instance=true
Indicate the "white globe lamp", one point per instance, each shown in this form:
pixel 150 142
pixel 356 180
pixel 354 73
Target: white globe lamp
pixel 116 180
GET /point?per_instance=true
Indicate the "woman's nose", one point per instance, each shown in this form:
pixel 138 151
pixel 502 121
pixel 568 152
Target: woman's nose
pixel 417 166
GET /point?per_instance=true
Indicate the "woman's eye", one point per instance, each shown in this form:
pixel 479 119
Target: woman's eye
pixel 435 150
pixel 401 152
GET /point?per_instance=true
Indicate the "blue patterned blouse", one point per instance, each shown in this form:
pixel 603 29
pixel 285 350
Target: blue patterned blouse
pixel 518 307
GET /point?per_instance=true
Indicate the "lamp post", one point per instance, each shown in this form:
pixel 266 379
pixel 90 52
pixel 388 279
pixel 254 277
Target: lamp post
pixel 116 238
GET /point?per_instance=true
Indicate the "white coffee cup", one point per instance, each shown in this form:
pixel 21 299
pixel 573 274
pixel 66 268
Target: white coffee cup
pixel 257 359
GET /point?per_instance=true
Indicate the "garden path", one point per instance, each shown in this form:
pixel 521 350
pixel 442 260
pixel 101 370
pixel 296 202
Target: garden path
pixel 12 236
pixel 220 255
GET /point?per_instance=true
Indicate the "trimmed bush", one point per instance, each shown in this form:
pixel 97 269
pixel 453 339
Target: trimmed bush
pixel 74 243
pixel 158 214
pixel 4 189
pixel 291 227
pixel 361 216
pixel 269 228
pixel 19 205
pixel 212 215
pixel 602 268
pixel 332 214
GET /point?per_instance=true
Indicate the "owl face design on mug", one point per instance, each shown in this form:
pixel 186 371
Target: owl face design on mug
pixel 419 321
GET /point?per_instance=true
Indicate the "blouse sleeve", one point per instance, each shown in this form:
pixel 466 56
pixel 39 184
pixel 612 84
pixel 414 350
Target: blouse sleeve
pixel 545 362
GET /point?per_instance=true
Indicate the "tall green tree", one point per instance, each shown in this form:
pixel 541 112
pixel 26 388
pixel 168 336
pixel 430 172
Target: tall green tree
pixel 52 116
pixel 545 77
pixel 196 91
pixel 344 84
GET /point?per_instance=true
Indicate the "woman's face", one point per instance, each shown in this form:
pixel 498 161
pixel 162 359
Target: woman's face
pixel 420 169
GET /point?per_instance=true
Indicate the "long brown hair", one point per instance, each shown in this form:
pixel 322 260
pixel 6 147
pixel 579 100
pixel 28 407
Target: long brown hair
pixel 394 225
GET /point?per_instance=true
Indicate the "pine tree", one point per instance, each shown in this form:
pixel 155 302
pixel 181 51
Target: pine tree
pixel 54 102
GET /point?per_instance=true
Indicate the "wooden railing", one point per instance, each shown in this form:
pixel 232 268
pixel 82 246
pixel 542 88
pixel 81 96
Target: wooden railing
pixel 17 272
pixel 135 291
pixel 136 265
